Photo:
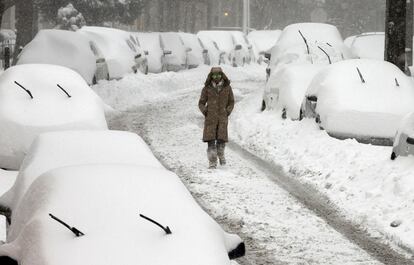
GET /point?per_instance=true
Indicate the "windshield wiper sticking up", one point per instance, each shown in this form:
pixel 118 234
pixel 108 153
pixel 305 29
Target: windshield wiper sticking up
pixel 61 88
pixel 166 229
pixel 306 43
pixel 25 89
pixel 73 229
pixel 360 76
pixel 327 55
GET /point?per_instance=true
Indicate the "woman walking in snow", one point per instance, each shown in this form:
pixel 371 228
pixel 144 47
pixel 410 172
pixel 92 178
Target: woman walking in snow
pixel 216 103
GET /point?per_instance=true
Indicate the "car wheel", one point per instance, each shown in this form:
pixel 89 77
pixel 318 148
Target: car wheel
pixel 263 105
pixel 393 156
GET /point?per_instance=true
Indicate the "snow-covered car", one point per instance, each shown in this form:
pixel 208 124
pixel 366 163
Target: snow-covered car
pixel 198 54
pixel 215 55
pixel 79 147
pixel 368 45
pixel 262 42
pixel 174 50
pixel 225 41
pixel 286 89
pixel 246 52
pixel 404 139
pixel 38 98
pixel 117 46
pixel 85 189
pixel 150 41
pixel 312 43
pixel 65 48
pixel 361 98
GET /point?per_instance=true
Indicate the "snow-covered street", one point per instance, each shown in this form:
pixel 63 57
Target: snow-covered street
pixel 282 220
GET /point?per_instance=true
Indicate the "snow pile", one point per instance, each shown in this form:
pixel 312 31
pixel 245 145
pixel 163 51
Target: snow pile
pixel 151 42
pixel 114 46
pixel 61 47
pixel 350 108
pixel 286 88
pixel 195 56
pixel 177 60
pixel 23 118
pixel 104 202
pixel 60 149
pixel 136 90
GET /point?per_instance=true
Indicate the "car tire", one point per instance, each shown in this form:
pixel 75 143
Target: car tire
pixel 263 105
pixel 393 156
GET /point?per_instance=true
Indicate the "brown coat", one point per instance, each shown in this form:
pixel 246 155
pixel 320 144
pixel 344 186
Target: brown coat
pixel 216 107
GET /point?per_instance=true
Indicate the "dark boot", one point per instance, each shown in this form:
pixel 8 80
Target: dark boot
pixel 220 153
pixel 212 154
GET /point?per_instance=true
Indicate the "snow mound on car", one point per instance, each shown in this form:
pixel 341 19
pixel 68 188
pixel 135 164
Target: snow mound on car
pixel 61 47
pixel 375 108
pixel 60 149
pixel 23 118
pixel 104 202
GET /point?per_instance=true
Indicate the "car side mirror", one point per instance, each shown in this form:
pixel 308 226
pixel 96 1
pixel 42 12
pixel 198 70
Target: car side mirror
pixel 410 140
pixel 188 50
pixel 205 51
pixel 146 52
pixel 267 55
pixel 238 252
pixel 238 47
pixel 312 98
pixel 166 52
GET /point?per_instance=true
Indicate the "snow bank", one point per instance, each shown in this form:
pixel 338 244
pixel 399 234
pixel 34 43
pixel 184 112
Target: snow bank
pixel 113 44
pixel 151 42
pixel 104 202
pixel 60 149
pixel 61 47
pixel 286 88
pixel 195 57
pixel 23 118
pixel 348 107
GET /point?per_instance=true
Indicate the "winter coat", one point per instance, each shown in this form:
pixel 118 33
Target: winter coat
pixel 216 105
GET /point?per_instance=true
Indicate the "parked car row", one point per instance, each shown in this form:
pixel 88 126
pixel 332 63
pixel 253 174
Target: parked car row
pixel 313 74
pixel 80 185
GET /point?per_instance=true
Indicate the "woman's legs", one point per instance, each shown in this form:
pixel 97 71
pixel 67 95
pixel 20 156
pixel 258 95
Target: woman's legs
pixel 221 145
pixel 212 154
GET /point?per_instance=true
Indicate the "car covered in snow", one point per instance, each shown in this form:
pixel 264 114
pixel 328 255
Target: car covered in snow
pixel 246 52
pixel 311 43
pixel 368 45
pixel 37 98
pixel 215 55
pixel 262 42
pixel 404 139
pixel 361 98
pixel 234 54
pixel 80 147
pixel 103 209
pixel 174 50
pixel 65 48
pixel 150 41
pixel 198 54
pixel 122 55
pixel 286 89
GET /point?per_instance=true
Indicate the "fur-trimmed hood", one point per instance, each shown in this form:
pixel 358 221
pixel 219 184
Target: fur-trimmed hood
pixel 215 70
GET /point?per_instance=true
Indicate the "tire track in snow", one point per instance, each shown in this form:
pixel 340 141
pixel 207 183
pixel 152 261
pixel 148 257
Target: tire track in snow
pixel 277 228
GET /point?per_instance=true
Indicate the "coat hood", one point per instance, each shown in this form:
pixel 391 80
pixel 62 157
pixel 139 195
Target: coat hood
pixel 215 70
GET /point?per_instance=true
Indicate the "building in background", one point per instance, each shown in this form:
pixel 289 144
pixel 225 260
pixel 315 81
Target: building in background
pixel 9 19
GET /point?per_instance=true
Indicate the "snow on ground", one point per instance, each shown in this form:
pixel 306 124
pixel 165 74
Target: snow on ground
pixel 359 179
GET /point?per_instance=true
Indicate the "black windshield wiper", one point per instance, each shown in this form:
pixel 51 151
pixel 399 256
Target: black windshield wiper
pixel 166 229
pixel 25 89
pixel 64 91
pixel 72 229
